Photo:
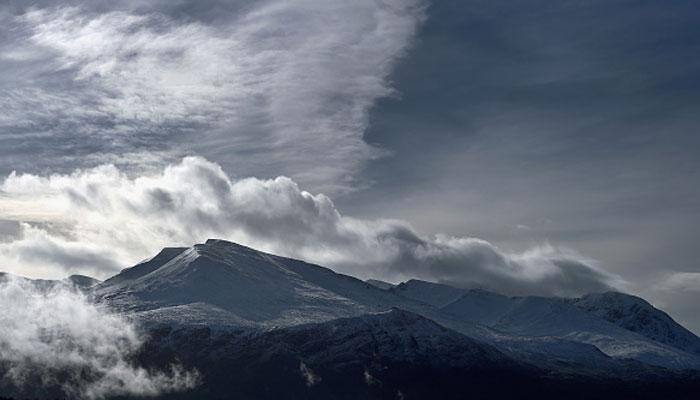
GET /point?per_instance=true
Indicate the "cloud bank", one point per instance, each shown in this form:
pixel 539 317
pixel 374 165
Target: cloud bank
pixel 269 82
pixel 74 344
pixel 98 220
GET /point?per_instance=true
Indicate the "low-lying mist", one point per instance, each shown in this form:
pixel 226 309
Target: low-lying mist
pixel 56 338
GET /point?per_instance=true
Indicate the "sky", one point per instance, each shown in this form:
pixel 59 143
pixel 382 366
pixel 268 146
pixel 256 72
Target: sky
pixel 529 147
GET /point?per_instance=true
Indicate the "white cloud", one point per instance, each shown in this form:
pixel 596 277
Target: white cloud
pixel 275 83
pixel 75 344
pixel 682 281
pixel 103 219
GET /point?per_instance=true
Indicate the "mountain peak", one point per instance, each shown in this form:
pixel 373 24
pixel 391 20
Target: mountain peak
pixel 241 282
pixel 637 315
pixel 221 243
pixel 619 297
pixel 147 266
pixel 434 294
pixel 82 281
pixel 380 284
pixel 222 249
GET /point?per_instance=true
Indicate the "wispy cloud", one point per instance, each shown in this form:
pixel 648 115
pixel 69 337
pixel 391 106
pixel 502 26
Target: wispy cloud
pixel 109 219
pixel 682 281
pixel 71 343
pixel 276 83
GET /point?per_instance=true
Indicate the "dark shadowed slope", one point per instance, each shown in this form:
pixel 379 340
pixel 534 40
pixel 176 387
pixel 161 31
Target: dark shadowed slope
pixel 388 355
pixel 380 284
pixel 82 282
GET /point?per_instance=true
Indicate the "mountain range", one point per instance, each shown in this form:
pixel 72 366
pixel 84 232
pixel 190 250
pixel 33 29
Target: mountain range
pixel 257 325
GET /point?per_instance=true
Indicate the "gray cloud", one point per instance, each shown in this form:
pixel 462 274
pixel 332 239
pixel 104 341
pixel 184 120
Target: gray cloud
pixel 677 291
pixel 272 83
pixel 74 344
pixel 9 230
pixel 117 218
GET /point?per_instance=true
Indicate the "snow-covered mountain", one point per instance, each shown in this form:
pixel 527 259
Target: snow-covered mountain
pixel 232 284
pixel 618 324
pixel 562 318
pixel 218 303
pixel 637 315
pixel 219 283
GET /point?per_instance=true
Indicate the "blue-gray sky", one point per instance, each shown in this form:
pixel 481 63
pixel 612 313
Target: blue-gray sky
pixel 574 122
pixel 562 134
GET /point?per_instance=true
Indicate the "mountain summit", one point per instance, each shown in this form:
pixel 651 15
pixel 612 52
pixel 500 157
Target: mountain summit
pixel 233 284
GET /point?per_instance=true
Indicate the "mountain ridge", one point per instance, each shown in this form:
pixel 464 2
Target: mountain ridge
pixel 224 285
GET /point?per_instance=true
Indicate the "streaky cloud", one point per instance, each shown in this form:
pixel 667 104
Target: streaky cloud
pixel 275 82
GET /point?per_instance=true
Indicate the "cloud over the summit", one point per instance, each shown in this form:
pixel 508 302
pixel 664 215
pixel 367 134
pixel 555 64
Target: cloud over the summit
pixel 97 220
